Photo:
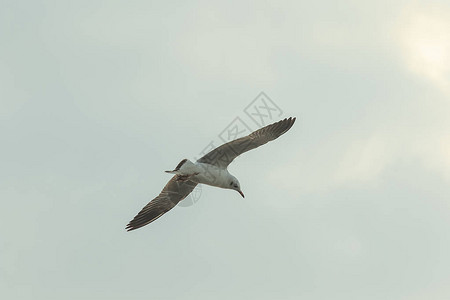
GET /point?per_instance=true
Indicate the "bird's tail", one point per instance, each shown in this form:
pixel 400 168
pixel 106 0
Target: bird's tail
pixel 178 172
pixel 177 168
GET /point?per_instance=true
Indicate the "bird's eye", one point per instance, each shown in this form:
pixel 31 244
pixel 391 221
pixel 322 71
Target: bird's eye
pixel 231 183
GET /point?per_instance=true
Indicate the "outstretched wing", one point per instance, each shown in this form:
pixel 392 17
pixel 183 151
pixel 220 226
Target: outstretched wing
pixel 173 192
pixel 222 156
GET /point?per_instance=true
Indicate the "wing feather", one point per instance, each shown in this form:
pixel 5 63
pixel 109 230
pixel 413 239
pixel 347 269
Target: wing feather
pixel 173 192
pixel 222 156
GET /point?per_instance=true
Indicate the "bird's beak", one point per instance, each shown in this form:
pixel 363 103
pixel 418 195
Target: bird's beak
pixel 242 194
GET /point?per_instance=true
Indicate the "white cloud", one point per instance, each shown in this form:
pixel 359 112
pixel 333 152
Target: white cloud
pixel 358 162
pixel 424 36
pixel 362 162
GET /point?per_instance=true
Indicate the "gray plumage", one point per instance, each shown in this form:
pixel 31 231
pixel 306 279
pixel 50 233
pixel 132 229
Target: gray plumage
pixel 223 155
pixel 172 193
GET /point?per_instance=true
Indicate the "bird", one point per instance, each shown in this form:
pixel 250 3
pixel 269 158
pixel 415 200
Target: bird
pixel 211 169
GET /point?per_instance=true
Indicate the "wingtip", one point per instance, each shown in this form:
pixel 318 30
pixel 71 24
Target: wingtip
pixel 290 120
pixel 287 123
pixel 130 227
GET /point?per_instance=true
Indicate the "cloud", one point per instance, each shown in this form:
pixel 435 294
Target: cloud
pixel 336 164
pixel 361 162
pixel 425 43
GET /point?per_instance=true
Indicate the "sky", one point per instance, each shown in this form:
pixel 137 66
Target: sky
pixel 98 98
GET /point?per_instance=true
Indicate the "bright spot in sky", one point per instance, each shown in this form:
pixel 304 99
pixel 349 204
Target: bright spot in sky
pixel 426 46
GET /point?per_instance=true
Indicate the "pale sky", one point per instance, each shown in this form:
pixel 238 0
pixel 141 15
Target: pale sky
pixel 98 98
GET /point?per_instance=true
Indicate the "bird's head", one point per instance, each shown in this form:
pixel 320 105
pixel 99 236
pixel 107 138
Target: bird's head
pixel 235 185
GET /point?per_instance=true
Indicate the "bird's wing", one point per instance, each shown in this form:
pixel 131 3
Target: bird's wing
pixel 222 156
pixel 173 192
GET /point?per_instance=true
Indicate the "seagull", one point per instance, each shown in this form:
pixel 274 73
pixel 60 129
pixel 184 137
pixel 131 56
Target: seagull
pixel 210 169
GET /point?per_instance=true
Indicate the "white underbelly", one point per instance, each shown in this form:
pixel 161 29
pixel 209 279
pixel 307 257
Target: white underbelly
pixel 211 175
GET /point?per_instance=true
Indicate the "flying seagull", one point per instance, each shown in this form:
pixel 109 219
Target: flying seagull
pixel 211 169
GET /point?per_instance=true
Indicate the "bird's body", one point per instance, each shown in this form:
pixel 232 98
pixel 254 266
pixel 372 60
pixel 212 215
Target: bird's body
pixel 212 175
pixel 203 173
pixel 211 169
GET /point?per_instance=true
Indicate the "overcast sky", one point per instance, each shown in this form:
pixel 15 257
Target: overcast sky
pixel 98 98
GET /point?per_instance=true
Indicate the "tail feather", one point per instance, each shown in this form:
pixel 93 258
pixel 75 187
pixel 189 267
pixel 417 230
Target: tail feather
pixel 174 172
pixel 177 168
pixel 180 164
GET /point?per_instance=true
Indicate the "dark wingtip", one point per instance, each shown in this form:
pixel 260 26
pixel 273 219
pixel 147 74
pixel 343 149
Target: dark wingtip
pixel 287 123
